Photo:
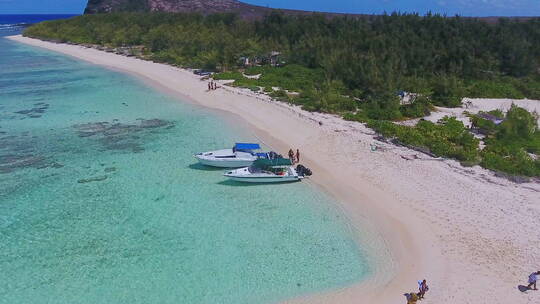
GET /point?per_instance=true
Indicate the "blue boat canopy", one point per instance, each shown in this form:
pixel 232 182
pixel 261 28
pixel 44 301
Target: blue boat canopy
pixel 246 146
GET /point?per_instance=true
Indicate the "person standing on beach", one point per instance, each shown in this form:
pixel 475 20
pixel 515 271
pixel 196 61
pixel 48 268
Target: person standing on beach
pixel 422 289
pixel 532 280
pixel 297 155
pixel 291 155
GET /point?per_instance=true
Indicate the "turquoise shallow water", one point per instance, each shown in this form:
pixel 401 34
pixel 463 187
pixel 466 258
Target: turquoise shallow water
pixel 101 201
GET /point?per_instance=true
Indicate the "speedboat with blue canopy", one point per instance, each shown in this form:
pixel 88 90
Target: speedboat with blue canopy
pixel 240 155
pixel 278 170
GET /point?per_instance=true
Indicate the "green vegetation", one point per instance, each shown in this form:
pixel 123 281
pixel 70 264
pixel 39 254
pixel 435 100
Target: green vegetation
pixel 508 144
pixel 443 59
pixel 351 66
pixel 419 108
pixel 291 77
pixel 486 126
pixel 449 139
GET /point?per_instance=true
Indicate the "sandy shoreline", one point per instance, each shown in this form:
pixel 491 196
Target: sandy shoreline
pixel 474 236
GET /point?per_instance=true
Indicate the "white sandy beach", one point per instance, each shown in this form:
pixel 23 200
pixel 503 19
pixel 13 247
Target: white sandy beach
pixel 472 235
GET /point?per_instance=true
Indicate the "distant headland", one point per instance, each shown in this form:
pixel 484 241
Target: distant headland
pixel 205 7
pixel 244 10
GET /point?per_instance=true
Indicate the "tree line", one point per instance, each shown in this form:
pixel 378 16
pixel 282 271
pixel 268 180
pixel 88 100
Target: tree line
pixel 440 56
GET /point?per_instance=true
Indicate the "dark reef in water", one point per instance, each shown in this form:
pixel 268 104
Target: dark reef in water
pixel 23 150
pixel 35 112
pixel 92 179
pixel 120 136
pixel 19 152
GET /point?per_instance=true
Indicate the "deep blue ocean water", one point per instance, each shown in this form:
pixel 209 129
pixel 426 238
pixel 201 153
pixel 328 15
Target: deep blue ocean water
pixel 13 24
pixel 29 19
pixel 101 200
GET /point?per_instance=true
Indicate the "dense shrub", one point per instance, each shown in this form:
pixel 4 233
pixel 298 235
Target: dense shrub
pixel 384 106
pixel 449 139
pixel 494 88
pixel 280 95
pixel 519 163
pixel 419 108
pixel 448 91
pixel 519 124
pixel 507 150
pixel 485 126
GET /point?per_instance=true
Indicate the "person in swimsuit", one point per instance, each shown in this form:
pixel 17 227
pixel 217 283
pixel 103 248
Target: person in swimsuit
pixel 532 280
pixel 422 289
pixel 291 155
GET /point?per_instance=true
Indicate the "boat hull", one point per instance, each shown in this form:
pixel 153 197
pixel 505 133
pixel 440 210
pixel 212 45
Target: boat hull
pixel 265 180
pixel 226 158
pixel 225 163
pixel 244 175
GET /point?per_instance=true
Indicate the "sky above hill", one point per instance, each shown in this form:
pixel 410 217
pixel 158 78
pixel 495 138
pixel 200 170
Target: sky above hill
pixel 448 7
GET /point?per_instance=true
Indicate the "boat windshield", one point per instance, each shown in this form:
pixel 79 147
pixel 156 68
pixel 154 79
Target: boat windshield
pixel 254 169
pixel 225 156
pixel 268 170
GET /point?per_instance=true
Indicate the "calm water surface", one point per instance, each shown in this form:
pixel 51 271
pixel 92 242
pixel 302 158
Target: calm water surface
pixel 102 202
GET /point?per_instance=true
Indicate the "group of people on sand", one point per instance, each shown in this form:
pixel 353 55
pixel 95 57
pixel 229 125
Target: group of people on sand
pixel 295 158
pixel 212 86
pixel 413 297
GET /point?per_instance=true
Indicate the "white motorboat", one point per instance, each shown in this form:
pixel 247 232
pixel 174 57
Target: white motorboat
pixel 241 155
pixel 277 170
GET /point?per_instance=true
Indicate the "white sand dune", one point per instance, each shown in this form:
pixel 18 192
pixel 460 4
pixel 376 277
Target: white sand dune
pixel 486 104
pixel 472 235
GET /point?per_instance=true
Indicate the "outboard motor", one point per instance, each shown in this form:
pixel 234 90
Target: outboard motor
pixel 303 171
